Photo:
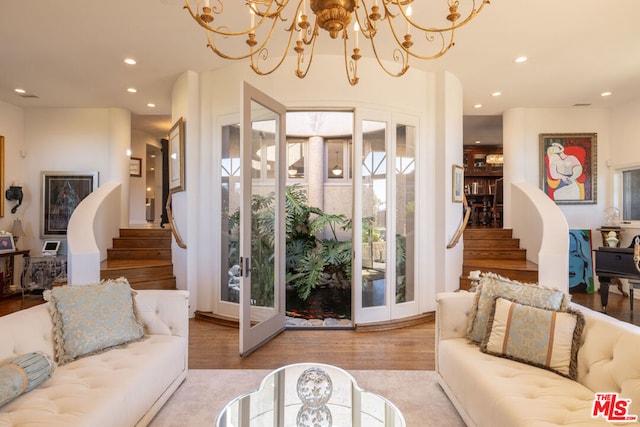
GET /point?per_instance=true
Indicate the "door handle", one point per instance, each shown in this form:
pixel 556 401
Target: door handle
pixel 245 267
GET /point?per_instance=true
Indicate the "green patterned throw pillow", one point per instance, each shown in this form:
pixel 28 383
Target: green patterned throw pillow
pixel 547 339
pixel 91 318
pixel 492 286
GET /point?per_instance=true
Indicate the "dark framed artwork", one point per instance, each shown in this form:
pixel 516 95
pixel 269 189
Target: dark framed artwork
pixel 568 167
pixel 135 166
pixel 62 192
pixel 176 157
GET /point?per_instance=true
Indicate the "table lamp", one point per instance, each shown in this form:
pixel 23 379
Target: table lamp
pixel 17 231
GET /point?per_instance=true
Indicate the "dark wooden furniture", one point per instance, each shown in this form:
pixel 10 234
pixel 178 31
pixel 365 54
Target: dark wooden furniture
pixel 478 168
pixel 615 262
pixel 7 266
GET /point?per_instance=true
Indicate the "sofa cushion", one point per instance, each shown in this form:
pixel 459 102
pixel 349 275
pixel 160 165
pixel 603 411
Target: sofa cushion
pixel 23 374
pixel 544 338
pixel 92 318
pixel 492 286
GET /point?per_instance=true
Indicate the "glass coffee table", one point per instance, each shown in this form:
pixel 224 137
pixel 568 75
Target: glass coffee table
pixel 310 394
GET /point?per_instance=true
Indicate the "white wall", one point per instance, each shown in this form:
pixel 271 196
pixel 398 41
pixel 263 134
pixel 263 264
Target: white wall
pixel 138 185
pixel 625 150
pixel 59 139
pixel 522 127
pixel 449 152
pixel 12 128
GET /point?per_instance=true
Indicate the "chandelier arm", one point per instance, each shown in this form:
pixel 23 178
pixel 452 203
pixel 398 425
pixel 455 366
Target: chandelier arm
pixel 399 55
pixel 444 46
pixel 351 65
pixel 228 33
pixel 268 3
pixel 455 24
pixel 300 73
pixel 252 51
pixel 262 52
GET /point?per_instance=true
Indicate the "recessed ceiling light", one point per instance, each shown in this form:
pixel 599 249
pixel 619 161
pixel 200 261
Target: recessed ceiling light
pixel 521 59
pixel 477 106
pixel 151 105
pixel 18 90
pixel 132 90
pixel 476 142
pixel 605 94
pixel 497 93
pixel 130 61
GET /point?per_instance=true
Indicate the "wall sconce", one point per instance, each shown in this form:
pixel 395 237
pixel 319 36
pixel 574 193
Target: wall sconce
pixel 14 193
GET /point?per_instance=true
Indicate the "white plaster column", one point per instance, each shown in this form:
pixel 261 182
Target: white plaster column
pixel 315 173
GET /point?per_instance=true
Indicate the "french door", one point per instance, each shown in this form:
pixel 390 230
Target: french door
pixel 385 179
pixel 262 232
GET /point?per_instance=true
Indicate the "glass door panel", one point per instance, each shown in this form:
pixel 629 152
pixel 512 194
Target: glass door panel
pixel 374 214
pixel 405 186
pixel 262 249
pixel 230 214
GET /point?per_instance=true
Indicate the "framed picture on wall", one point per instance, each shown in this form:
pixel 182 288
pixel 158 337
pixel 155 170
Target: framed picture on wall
pixel 176 157
pixel 135 166
pixel 457 184
pixel 62 192
pixel 568 164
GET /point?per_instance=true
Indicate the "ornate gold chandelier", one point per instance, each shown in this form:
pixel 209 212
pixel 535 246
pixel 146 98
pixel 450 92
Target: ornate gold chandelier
pixel 375 20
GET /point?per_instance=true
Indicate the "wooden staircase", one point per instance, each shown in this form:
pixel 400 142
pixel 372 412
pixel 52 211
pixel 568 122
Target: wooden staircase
pixel 495 250
pixel 143 256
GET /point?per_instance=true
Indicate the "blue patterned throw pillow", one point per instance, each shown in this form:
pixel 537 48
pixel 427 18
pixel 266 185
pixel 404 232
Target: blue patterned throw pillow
pixel 547 339
pixel 23 374
pixel 91 318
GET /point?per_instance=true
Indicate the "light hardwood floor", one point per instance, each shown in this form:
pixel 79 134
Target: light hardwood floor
pixel 216 347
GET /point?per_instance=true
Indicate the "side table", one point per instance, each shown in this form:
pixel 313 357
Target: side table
pixel 42 272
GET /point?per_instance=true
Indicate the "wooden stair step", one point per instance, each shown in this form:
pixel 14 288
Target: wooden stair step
pixel 497 253
pixel 143 257
pixel 145 232
pixel 487 233
pixel 495 250
pixel 142 242
pixel 491 243
pixel 138 253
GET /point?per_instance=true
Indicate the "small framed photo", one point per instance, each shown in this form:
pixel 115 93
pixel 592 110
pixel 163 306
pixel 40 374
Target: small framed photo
pixel 457 184
pixel 6 243
pixel 135 166
pixel 568 167
pixel 176 157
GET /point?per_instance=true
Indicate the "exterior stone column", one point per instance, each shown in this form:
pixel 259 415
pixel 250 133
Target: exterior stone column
pixel 315 174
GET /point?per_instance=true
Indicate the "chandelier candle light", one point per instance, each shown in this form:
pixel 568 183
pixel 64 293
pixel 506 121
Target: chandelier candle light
pixel 383 23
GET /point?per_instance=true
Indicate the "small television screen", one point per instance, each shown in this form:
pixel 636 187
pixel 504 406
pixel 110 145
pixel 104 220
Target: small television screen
pixel 51 246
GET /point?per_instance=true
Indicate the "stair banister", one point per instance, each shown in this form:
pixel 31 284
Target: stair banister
pixel 543 231
pixel 91 229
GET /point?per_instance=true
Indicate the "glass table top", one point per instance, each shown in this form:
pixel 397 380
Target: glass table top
pixel 310 394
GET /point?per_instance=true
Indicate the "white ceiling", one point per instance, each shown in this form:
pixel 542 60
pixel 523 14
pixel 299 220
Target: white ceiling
pixel 70 53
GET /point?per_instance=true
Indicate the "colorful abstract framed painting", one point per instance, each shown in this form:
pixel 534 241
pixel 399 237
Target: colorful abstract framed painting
pixel 568 167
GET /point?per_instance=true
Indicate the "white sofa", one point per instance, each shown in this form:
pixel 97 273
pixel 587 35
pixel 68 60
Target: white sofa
pixel 493 391
pixel 124 386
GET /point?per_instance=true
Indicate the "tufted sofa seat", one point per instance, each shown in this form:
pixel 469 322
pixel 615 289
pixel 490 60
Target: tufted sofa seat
pixel 123 386
pixel 491 391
